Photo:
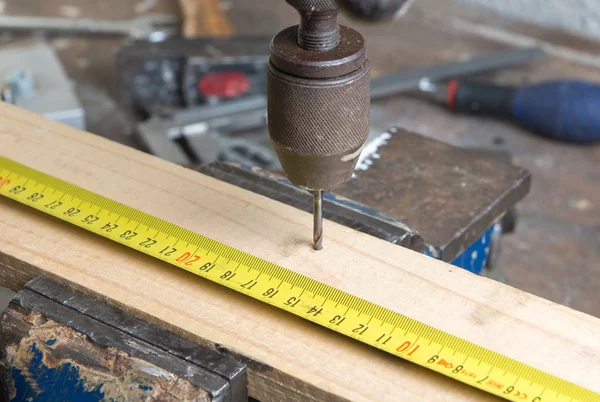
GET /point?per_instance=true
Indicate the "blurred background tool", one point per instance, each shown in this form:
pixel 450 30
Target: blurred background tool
pixel 151 27
pixel 200 135
pixel 142 68
pixel 33 78
pixel 183 73
pixel 421 78
pixel 180 73
pixel 566 110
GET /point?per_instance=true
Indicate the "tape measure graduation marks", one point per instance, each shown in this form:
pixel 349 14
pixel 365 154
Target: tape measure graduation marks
pixel 285 289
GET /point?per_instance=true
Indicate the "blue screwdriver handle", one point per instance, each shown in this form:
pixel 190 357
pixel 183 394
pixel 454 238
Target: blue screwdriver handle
pixel 567 110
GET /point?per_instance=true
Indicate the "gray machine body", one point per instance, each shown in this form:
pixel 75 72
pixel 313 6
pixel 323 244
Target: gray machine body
pixel 39 83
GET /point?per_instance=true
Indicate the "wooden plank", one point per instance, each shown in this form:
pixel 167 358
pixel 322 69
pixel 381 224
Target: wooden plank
pixel 204 18
pixel 288 358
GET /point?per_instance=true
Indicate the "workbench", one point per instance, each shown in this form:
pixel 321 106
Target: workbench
pixel 555 250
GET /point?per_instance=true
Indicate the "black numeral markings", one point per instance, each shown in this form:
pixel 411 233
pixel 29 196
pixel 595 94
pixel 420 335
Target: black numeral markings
pixel 457 369
pixel 337 320
pixel 270 293
pixel 109 227
pixel 35 197
pixel 314 311
pixel 228 275
pixel 433 359
pixel 207 267
pixel 381 338
pixel 128 235
pixel 71 212
pixel 53 205
pixel 168 251
pixel 90 219
pixel 148 243
pixel 17 189
pixel 292 301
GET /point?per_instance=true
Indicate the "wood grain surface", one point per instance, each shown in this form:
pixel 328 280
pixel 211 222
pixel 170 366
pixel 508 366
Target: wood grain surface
pixel 289 358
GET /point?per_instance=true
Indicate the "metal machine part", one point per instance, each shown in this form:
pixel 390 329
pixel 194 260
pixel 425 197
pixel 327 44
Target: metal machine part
pixel 34 79
pixel 184 73
pixel 107 329
pixel 20 82
pixel 195 136
pixel 151 27
pixel 450 195
pixel 318 91
pixel 424 79
pixel 374 10
pixel 230 116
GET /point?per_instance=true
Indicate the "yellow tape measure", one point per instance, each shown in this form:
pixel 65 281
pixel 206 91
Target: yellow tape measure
pixel 287 290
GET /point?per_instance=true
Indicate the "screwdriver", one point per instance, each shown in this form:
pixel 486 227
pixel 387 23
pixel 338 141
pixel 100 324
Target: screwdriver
pixel 566 110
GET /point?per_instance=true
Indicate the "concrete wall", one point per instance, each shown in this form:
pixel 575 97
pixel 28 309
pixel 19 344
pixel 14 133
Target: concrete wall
pixel 579 16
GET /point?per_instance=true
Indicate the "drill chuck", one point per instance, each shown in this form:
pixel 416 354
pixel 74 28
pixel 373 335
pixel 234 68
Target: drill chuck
pixel 318 96
pixel 318 107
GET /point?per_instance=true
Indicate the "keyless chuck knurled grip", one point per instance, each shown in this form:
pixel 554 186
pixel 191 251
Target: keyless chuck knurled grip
pixel 318 97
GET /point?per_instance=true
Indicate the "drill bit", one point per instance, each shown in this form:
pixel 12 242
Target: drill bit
pixel 317 219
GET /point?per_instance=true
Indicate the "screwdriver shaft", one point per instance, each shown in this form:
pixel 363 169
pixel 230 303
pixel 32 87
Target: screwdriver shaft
pixel 317 219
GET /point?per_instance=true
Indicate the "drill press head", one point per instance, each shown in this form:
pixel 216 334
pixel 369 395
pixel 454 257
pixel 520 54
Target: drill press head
pixel 318 97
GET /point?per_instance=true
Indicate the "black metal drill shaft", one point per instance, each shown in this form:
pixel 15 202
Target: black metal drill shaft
pixel 318 100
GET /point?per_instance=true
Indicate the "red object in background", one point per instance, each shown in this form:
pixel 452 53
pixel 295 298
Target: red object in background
pixel 230 84
pixel 451 96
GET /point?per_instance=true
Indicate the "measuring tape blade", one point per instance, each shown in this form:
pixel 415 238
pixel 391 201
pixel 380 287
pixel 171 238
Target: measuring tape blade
pixel 280 287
